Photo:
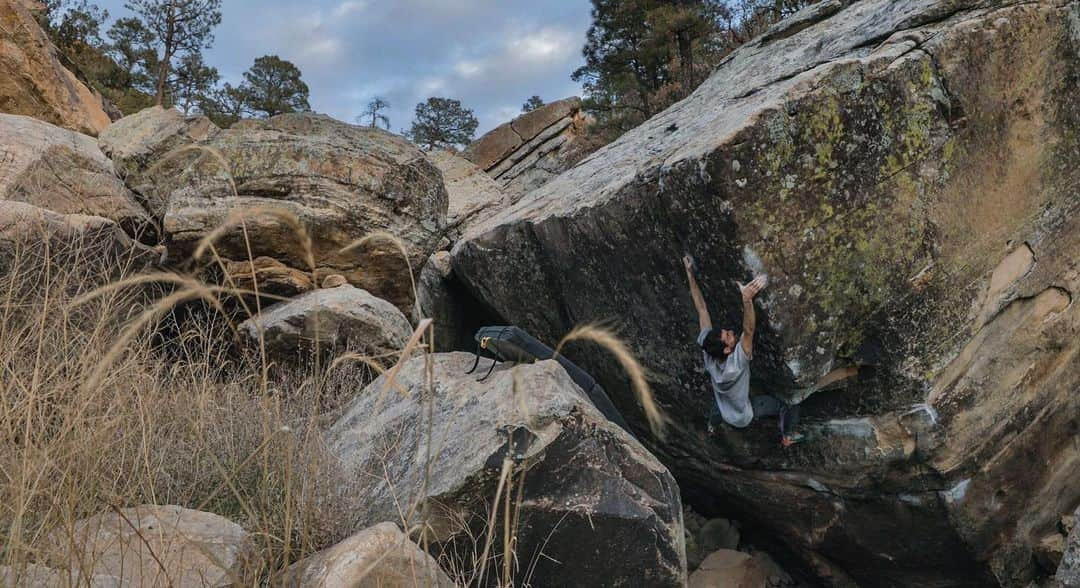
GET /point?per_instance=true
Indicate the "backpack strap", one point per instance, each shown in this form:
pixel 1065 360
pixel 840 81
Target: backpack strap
pixel 476 363
pixel 494 362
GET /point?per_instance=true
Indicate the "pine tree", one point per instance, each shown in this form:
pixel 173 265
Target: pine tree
pixel 626 63
pixel 442 122
pixel 132 48
pixel 372 111
pixel 180 27
pixel 532 104
pixel 76 25
pixel 643 55
pixel 192 83
pixel 274 86
pixel 224 105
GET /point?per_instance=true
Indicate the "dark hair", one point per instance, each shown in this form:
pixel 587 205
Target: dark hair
pixel 714 345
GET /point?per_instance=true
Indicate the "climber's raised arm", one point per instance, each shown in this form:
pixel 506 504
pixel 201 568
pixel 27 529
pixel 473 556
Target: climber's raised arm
pixel 748 291
pixel 704 320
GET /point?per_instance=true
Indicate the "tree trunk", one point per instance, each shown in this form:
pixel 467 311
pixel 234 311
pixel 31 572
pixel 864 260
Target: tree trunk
pixel 167 50
pixel 163 73
pixel 686 61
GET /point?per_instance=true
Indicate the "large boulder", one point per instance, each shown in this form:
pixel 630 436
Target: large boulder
pixel 906 172
pixel 593 507
pixel 137 142
pixel 34 83
pixel 149 546
pixel 530 150
pixel 377 557
pixel 331 319
pixel 65 172
pixel 342 182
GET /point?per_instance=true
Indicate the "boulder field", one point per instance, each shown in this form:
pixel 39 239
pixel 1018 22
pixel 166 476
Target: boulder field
pixel 906 173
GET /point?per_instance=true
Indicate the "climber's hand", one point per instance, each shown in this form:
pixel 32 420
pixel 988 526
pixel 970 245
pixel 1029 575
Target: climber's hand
pixel 688 263
pixel 752 288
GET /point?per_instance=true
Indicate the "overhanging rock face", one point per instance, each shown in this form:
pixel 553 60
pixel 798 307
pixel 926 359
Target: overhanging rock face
pixel 906 172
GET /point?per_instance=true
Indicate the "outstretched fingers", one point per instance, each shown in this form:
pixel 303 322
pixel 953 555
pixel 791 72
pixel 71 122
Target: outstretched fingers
pixel 751 288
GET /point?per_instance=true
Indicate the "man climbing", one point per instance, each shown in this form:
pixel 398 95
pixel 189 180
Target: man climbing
pixel 727 360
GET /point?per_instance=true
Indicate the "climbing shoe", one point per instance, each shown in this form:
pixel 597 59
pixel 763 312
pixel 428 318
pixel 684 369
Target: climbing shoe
pixel 789 440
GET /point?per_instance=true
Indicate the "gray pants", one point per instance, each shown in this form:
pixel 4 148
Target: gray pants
pixel 766 405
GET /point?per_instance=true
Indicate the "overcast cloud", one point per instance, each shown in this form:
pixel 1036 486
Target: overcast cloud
pixel 489 54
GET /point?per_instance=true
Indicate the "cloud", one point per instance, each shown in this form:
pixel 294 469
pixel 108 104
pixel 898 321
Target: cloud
pixel 545 44
pixel 468 69
pixel 348 8
pixel 326 50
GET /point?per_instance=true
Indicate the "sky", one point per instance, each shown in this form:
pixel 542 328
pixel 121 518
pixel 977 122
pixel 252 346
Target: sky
pixel 490 54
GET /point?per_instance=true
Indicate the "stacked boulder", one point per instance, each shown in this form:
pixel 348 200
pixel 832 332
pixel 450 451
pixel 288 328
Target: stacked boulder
pixel 292 206
pixel 297 188
pixel 530 150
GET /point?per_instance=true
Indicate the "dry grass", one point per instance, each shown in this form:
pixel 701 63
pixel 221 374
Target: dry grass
pixel 606 339
pixel 92 416
pixel 98 411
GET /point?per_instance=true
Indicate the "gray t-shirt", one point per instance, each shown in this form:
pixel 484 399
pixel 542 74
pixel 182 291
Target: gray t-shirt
pixel 730 383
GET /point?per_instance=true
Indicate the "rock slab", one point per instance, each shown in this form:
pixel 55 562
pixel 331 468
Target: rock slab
pixel 530 150
pixel 472 194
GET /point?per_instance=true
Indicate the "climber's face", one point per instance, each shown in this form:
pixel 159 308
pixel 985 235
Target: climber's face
pixel 728 337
